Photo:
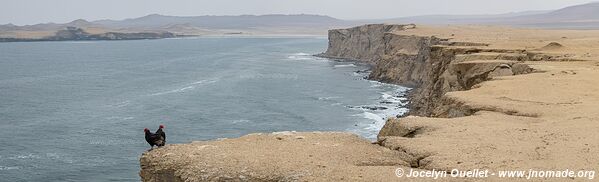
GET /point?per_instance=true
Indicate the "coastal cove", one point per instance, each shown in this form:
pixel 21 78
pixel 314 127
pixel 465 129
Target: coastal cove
pixel 92 99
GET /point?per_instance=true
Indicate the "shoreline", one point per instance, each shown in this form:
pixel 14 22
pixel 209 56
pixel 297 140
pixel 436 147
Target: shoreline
pixel 173 36
pixel 477 99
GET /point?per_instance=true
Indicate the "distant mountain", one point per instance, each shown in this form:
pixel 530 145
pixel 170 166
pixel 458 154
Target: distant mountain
pixel 190 25
pixel 582 12
pixel 225 22
pixel 460 19
pixel 48 26
pixel 585 16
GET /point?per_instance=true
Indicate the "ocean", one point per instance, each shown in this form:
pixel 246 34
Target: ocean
pixel 75 111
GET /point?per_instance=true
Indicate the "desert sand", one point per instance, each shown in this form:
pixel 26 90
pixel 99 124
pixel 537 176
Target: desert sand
pixel 546 119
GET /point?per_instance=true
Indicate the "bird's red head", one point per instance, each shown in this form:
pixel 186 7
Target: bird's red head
pixel 146 129
pixel 161 126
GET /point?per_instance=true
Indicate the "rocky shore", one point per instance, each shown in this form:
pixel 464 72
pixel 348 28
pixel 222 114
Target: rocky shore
pixel 487 98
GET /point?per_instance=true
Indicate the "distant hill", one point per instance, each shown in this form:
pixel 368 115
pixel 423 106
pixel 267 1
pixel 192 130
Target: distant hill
pixel 225 22
pixel 190 25
pixel 460 19
pixel 582 12
pixel 585 16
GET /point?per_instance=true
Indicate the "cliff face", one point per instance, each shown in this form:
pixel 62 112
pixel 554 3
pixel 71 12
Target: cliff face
pixel 364 43
pixel 432 65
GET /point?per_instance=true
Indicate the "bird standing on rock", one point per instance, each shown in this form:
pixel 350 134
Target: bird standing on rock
pixel 158 138
pixel 161 133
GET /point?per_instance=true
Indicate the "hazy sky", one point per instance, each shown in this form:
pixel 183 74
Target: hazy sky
pixel 40 11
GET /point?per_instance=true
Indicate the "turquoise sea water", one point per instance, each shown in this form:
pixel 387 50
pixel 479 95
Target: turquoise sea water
pixel 75 111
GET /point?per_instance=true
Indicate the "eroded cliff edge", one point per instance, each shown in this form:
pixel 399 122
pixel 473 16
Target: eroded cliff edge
pixel 475 105
pixel 483 111
pixel 432 65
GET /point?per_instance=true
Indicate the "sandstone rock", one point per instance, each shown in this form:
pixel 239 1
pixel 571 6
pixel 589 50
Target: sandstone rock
pixel 552 46
pixel 318 156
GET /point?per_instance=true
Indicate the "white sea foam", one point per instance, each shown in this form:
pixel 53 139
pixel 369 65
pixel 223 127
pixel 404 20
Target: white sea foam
pixel 122 104
pixel 119 118
pixel 301 54
pixel 373 117
pixel 344 65
pixel 304 56
pixel 26 156
pixel 358 74
pixel 328 98
pixel 6 168
pixel 188 87
pixel 299 58
pixel 240 121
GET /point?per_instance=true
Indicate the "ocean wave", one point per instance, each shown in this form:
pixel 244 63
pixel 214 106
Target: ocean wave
pixel 390 103
pixel 299 58
pixel 121 104
pixel 32 156
pixel 304 56
pixel 6 168
pixel 375 120
pixel 187 87
pixel 270 76
pixel 333 100
pixel 301 54
pixel 344 65
pixel 26 156
pixel 240 121
pixel 359 74
pixel 328 98
pixel 372 116
pixel 112 142
pixel 119 118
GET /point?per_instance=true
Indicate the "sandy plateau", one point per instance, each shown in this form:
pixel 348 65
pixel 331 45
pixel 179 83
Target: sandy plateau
pixel 490 97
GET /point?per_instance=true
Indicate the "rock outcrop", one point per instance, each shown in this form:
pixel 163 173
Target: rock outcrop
pixel 364 43
pixel 282 156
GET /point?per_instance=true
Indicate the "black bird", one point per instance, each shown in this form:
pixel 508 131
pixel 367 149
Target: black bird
pixel 154 138
pixel 161 133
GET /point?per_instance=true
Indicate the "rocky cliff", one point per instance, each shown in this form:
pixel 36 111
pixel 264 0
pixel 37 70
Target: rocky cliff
pixel 479 114
pixel 432 65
